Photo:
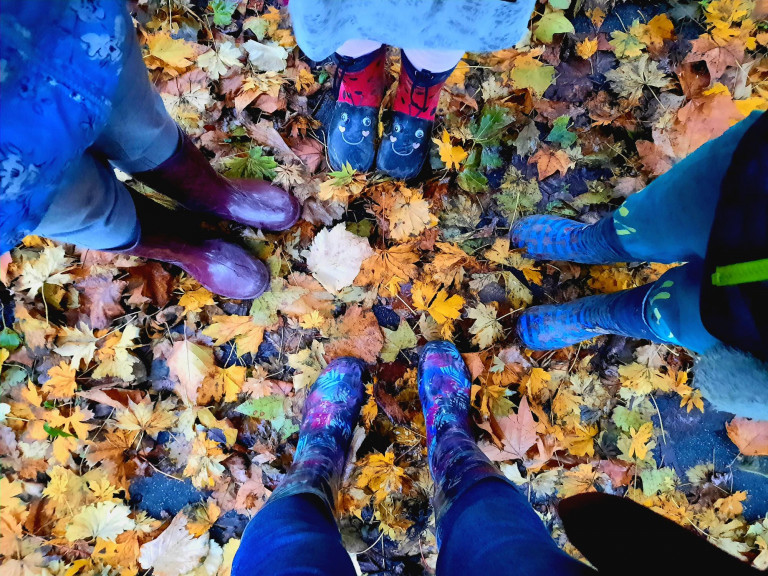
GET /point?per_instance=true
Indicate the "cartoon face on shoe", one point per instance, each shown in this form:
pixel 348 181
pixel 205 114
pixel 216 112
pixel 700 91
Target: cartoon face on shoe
pixel 354 128
pixel 405 140
pixel 351 136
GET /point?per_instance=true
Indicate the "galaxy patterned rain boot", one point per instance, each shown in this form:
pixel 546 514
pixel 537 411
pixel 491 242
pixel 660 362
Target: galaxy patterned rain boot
pixel 361 83
pixel 408 130
pixel 555 238
pixel 555 326
pixel 331 411
pixel 455 460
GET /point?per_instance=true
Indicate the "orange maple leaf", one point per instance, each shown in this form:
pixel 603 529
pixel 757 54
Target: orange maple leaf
pixel 549 161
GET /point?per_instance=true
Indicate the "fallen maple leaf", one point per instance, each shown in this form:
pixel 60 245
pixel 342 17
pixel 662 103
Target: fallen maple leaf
pixel 105 520
pixel 436 303
pixel 357 334
pixel 452 156
pixel 102 298
pixel 335 257
pixel 586 48
pixel 247 335
pixel 750 436
pixel 518 435
pixel 486 328
pixel 175 551
pixel 549 161
pixel 189 364
pixel 61 382
pixel 410 215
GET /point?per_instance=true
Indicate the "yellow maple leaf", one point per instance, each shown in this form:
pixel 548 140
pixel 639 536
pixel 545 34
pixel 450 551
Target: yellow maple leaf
pixel 204 462
pixel 658 29
pixel 579 480
pixel 74 423
pixel 195 300
pixel 176 53
pixel 582 442
pixel 225 384
pixel 459 74
pixel 114 356
pixel 61 382
pixel 409 215
pixel 448 266
pixel 586 48
pixel 246 334
pixel 146 417
pixel 452 156
pixel 189 364
pixel 486 328
pixel 203 517
pixel 536 381
pixel 380 474
pixel 389 268
pixel 436 303
pixel 642 379
pixel 312 320
pixel 730 506
pixel 640 439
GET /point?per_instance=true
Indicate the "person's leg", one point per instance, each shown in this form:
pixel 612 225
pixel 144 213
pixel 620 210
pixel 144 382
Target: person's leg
pixel 407 135
pixel 434 61
pixel 664 311
pixel 470 492
pixel 140 134
pixel 143 140
pixel 295 533
pixel 668 221
pixel 360 84
pixel 92 209
pixel 357 48
pixel 294 536
pixel 513 539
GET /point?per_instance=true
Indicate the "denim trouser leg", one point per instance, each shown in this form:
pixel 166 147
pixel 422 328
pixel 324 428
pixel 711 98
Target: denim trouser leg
pixel 492 529
pixel 92 209
pixel 292 536
pixel 140 134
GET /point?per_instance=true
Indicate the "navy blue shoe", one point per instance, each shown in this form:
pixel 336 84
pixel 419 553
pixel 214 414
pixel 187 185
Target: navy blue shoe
pixel 408 128
pixel 554 326
pixel 352 130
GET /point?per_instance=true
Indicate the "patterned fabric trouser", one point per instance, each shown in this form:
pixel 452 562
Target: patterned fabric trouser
pixel 92 208
pixel 670 221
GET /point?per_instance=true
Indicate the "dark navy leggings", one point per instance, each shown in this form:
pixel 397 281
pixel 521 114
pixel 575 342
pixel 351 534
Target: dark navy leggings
pixel 490 530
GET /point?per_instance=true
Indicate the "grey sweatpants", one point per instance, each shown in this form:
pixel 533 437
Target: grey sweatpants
pixel 93 208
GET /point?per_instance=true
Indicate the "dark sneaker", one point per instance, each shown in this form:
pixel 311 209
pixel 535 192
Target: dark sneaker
pixel 352 128
pixel 408 130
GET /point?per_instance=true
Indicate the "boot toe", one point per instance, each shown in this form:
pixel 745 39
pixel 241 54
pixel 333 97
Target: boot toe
pixel 230 271
pixel 405 146
pixel 263 205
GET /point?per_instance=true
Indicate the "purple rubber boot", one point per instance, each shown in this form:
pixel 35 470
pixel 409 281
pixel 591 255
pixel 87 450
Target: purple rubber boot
pixel 331 412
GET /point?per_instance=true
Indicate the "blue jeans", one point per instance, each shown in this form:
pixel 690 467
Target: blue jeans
pixel 490 529
pixel 670 220
pixel 92 208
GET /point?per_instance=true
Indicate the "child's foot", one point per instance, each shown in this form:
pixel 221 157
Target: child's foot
pixel 555 238
pixel 554 326
pixel 331 411
pixel 455 460
pixel 407 135
pixel 352 129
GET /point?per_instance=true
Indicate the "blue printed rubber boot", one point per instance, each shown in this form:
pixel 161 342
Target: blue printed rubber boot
pixel 555 238
pixel 331 411
pixel 554 326
pixel 361 83
pixel 455 460
pixel 407 135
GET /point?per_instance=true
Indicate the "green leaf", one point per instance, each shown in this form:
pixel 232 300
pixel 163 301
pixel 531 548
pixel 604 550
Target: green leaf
pixel 266 408
pixel 362 228
pixel 254 166
pixel 560 133
pixel 258 26
pixel 492 124
pixel 397 340
pixel 626 419
pixel 472 181
pixel 55 432
pixel 520 195
pixel 551 24
pixel 489 158
pixel 9 339
pixel 535 78
pixel 660 481
pixel 222 11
